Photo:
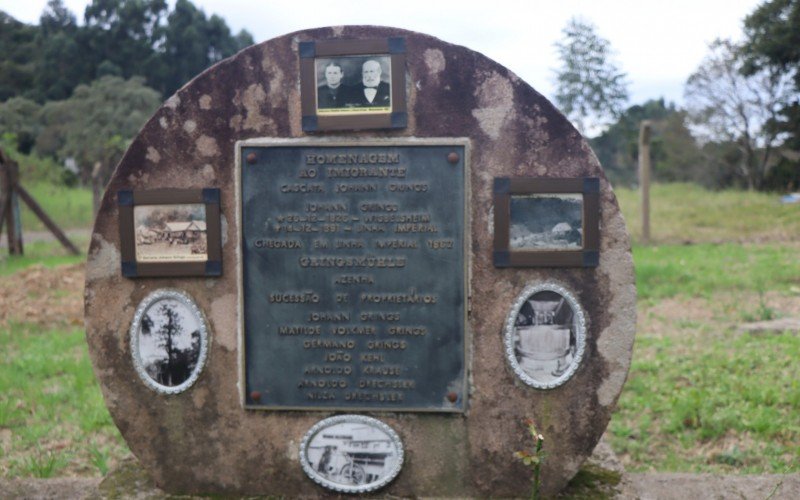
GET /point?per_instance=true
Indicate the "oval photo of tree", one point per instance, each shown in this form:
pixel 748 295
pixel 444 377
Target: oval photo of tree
pixel 169 341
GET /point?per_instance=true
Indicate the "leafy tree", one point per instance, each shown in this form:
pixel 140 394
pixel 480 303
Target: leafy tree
pixel 96 123
pixel 772 34
pixel 591 89
pixel 728 107
pixel 674 152
pixel 125 33
pixel 192 43
pixel 60 63
pixel 122 38
pixel 17 55
pixel 19 116
pixel 56 18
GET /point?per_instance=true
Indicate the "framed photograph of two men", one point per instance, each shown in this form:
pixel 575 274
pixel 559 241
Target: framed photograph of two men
pixel 353 84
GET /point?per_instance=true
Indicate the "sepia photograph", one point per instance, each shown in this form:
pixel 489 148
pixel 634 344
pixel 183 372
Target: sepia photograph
pixel 171 232
pixel 545 336
pixel 168 341
pixel 350 84
pixel 352 453
pixel 546 222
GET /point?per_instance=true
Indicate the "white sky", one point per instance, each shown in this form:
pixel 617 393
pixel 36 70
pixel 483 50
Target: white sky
pixel 658 43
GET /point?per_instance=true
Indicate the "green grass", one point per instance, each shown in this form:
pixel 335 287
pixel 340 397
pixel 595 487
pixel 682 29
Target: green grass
pixel 46 253
pixel 702 270
pixel 686 213
pixel 68 207
pixel 711 400
pixel 52 405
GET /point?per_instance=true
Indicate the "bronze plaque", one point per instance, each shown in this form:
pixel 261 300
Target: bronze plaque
pixel 353 276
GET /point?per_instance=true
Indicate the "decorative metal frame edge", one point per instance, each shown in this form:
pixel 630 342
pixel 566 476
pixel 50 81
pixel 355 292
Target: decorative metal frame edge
pixel 342 488
pixel 580 335
pixel 144 305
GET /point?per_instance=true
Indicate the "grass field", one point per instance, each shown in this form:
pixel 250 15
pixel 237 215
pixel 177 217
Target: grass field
pixel 701 395
pixel 68 207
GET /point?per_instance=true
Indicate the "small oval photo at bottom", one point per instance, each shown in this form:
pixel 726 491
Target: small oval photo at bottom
pixel 169 341
pixel 545 335
pixel 351 453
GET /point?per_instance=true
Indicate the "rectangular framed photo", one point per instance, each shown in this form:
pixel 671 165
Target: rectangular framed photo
pixel 170 232
pixel 353 84
pixel 546 222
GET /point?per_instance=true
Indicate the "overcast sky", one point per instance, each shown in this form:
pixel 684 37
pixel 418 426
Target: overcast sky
pixel 658 43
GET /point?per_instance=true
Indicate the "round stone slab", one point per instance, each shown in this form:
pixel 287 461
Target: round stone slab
pixel 203 440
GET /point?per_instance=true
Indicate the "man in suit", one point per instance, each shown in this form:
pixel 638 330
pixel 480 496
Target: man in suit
pixel 332 94
pixel 372 93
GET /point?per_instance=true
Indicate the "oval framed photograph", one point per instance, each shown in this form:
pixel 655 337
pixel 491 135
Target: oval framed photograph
pixel 169 341
pixel 545 335
pixel 351 454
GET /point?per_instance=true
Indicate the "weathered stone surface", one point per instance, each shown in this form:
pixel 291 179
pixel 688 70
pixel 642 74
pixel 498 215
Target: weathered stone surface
pixel 204 441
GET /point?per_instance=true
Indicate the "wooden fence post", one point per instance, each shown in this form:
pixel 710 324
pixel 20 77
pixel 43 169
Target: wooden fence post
pixel 644 177
pixel 10 193
pixel 9 204
pixel 97 187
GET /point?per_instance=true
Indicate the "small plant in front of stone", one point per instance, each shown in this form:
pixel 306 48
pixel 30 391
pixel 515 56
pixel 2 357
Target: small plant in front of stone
pixel 533 460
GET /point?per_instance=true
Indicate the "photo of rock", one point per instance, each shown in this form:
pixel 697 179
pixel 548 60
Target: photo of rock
pixel 546 222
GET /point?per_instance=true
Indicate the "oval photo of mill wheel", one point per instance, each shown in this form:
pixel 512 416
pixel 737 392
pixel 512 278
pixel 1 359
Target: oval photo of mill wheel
pixel 545 335
pixel 169 341
pixel 351 454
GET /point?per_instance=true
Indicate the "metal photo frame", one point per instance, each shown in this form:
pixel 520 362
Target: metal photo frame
pixel 350 463
pixel 185 320
pixel 207 261
pixel 586 254
pixel 388 53
pixel 526 364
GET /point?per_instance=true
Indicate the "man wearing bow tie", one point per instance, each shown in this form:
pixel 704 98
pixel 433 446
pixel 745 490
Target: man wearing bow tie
pixel 372 93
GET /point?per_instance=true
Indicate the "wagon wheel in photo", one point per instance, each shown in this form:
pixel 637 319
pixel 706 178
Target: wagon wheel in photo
pixel 354 473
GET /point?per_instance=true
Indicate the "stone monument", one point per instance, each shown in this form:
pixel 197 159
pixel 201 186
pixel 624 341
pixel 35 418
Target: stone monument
pixel 357 259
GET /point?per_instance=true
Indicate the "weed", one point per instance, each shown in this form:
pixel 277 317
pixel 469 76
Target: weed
pixel 44 464
pixel 533 460
pixel 99 458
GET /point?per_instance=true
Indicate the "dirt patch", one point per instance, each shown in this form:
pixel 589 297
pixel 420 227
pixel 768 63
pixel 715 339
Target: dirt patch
pixel 43 296
pixel 681 317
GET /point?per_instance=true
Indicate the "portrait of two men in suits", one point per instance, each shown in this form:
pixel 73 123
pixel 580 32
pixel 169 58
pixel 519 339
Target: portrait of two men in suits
pixel 354 84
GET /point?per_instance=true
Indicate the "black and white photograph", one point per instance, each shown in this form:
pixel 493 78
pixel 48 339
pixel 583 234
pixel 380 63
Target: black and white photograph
pixel 169 340
pixel 545 336
pixel 352 453
pixel 348 84
pixel 546 222
pixel 171 233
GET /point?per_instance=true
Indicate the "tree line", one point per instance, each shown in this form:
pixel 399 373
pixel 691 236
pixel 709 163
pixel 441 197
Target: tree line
pixel 79 92
pixel 123 38
pixel 740 126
